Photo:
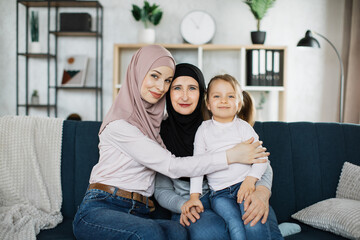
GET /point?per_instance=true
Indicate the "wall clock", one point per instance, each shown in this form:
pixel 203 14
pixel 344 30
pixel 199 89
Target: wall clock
pixel 198 27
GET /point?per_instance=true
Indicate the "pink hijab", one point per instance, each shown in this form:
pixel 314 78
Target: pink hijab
pixel 129 105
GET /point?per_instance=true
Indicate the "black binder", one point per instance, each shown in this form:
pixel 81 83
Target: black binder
pixel 252 67
pixel 262 67
pixel 269 68
pixel 276 69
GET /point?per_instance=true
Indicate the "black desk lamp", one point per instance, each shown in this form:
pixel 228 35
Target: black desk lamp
pixel 309 41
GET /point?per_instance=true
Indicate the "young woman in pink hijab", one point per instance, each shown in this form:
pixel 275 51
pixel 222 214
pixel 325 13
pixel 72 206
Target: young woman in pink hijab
pixel 116 204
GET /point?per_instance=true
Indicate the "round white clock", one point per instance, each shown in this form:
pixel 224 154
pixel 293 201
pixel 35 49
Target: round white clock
pixel 197 27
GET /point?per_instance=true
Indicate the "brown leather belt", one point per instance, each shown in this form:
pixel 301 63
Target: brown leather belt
pixel 122 193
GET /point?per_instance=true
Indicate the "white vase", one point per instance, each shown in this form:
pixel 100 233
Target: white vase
pixel 147 35
pixel 35 47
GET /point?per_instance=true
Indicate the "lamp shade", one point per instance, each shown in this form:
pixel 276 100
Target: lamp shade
pixel 308 41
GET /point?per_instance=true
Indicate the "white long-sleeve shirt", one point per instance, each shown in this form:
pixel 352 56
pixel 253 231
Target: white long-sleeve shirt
pixel 213 136
pixel 129 160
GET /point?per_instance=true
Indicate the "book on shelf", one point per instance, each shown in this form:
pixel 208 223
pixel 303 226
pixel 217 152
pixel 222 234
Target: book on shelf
pixel 262 67
pixel 276 69
pixel 253 67
pixel 269 68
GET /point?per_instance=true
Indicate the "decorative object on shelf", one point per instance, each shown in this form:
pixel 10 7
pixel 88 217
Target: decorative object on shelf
pixel 149 15
pixel 198 27
pixel 35 98
pixel 75 71
pixel 259 9
pixel 75 22
pixel 310 41
pixel 35 46
pixel 74 117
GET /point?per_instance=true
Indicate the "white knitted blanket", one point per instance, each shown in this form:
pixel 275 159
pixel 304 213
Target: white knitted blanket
pixel 30 181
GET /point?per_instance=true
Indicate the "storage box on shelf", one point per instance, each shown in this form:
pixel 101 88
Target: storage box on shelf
pixel 214 59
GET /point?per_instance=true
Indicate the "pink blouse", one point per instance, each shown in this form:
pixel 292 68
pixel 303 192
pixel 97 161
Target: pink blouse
pixel 129 160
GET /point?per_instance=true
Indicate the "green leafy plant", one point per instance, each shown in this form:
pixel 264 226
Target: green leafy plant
pixel 259 8
pixel 34 26
pixel 147 14
pixel 35 93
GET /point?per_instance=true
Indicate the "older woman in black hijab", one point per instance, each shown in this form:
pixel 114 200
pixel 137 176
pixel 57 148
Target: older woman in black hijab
pixel 184 103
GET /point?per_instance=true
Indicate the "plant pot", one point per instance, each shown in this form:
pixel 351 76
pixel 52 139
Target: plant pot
pixel 147 35
pixel 35 47
pixel 258 37
pixel 35 100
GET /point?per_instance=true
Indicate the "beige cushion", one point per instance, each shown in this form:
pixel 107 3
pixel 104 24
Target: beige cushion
pixel 339 216
pixel 349 183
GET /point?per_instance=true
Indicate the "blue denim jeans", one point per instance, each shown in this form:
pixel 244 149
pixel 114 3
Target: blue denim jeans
pixel 274 226
pixel 224 203
pixel 209 226
pixel 102 215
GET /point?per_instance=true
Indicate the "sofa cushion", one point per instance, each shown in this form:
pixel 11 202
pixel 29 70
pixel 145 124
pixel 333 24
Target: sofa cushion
pixel 310 233
pixel 349 183
pixel 79 154
pixel 340 216
pixel 306 164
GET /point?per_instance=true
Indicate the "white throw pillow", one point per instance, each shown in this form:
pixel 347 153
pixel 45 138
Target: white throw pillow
pixel 349 183
pixel 339 216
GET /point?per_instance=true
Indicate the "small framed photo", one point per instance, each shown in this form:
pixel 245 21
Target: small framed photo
pixel 75 69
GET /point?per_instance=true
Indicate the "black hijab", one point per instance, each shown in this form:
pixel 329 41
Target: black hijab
pixel 178 131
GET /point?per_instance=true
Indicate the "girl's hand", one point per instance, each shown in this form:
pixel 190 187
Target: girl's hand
pixel 247 187
pixel 195 202
pixel 247 152
pixel 192 216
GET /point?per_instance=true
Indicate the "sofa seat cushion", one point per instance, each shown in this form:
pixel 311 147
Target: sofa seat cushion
pixel 63 231
pixel 310 233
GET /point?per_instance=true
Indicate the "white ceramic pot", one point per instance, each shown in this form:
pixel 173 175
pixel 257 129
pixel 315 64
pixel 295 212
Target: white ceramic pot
pixel 147 35
pixel 35 47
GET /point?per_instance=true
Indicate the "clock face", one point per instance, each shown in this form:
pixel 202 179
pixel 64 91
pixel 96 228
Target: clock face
pixel 197 27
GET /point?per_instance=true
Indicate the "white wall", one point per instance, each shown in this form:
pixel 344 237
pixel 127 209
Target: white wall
pixel 312 75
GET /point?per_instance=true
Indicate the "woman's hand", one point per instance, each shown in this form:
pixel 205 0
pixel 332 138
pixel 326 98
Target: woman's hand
pixel 192 216
pixel 247 187
pixel 256 206
pixel 195 202
pixel 247 152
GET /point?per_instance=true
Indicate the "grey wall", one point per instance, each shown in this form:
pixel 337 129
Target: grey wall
pixel 312 75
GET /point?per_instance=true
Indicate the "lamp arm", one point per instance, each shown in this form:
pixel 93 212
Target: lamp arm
pixel 341 77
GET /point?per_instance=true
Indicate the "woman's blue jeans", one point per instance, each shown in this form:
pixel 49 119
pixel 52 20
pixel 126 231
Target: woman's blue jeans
pixel 210 226
pixel 102 215
pixel 224 204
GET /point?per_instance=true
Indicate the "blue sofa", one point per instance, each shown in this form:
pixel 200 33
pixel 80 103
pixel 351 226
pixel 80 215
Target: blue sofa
pixel 306 158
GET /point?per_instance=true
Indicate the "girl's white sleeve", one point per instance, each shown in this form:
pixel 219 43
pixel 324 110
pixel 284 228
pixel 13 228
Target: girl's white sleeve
pixel 199 148
pixel 257 169
pixel 133 143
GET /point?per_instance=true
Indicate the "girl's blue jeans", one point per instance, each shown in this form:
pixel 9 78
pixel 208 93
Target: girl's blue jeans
pixel 102 215
pixel 210 226
pixel 224 203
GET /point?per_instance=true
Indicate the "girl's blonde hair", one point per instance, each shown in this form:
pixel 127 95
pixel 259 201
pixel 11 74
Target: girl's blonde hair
pixel 247 112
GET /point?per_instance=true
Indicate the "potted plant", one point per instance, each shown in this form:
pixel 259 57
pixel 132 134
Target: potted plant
pixel 149 15
pixel 35 97
pixel 259 9
pixel 34 30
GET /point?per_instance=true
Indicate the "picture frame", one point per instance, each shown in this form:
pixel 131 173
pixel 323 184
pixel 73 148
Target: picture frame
pixel 75 68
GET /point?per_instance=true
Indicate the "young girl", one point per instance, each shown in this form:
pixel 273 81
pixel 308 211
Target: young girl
pixel 229 107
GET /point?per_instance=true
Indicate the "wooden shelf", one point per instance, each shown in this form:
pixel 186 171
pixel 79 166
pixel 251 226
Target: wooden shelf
pixel 263 88
pixel 36 105
pixel 37 55
pixel 77 87
pixel 54 3
pixel 76 34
